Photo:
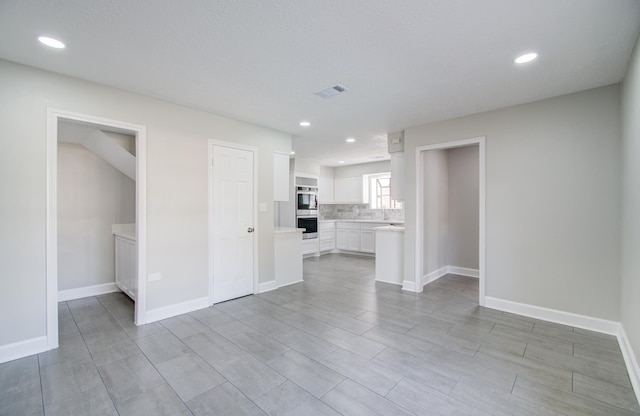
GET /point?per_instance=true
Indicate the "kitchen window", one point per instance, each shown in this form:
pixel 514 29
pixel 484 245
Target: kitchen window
pixel 379 191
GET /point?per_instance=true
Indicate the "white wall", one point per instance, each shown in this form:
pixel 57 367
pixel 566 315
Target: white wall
pixel 351 171
pixel 463 207
pixel 630 282
pixel 177 189
pixel 327 172
pixel 92 195
pixel 436 210
pixel 552 199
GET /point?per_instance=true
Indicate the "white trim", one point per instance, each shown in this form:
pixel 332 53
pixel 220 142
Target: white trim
pixel 211 143
pixel 170 311
pixel 552 315
pixel 434 275
pixel 267 286
pixel 389 281
pixel 22 349
pixel 419 191
pixel 51 243
pixel 85 292
pixel 409 286
pixel 140 132
pixel 140 303
pixel 463 271
pixel 291 283
pixel 630 360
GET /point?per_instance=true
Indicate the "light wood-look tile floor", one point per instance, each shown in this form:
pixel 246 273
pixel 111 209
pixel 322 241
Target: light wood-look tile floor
pixel 339 343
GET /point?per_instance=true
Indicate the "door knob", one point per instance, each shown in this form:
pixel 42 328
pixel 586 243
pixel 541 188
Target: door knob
pixel 250 229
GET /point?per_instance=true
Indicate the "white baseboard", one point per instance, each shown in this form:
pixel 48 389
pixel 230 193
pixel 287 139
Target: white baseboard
pixel 552 315
pixel 579 321
pixel 22 349
pixel 463 271
pixel 165 312
pixel 291 283
pixel 272 285
pixel 267 286
pixel 85 292
pixel 409 286
pixel 630 360
pixel 434 275
pixel 391 282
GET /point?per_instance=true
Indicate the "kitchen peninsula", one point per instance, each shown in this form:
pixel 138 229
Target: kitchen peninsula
pixel 287 255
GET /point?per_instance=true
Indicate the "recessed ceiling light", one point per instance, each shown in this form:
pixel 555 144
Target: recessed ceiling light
pixel 341 161
pixel 51 42
pixel 527 57
pixel 305 124
pixel 350 140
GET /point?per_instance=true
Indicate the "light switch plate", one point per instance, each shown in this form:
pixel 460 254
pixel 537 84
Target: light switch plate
pixel 152 277
pixel 262 207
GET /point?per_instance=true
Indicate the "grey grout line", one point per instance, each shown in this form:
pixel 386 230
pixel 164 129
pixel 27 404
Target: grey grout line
pixel 41 384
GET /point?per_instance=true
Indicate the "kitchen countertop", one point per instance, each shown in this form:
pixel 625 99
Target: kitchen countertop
pixel 369 221
pixel 284 230
pixel 124 230
pixel 395 228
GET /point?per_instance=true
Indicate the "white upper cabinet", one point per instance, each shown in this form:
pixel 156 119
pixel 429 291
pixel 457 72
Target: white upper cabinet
pixel 348 190
pixel 280 176
pixel 325 191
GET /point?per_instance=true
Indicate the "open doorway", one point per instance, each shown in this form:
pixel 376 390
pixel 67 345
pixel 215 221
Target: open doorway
pixel 433 243
pixel 71 137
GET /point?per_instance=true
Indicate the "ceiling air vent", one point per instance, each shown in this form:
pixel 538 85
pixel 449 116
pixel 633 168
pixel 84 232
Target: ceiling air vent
pixel 331 91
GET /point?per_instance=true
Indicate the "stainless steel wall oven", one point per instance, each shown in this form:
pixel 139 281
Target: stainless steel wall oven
pixel 310 225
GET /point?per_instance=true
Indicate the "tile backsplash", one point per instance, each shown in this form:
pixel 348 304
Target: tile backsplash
pixel 358 212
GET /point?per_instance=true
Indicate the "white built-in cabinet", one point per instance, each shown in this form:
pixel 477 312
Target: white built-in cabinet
pixel 326 190
pixel 310 246
pixel 327 237
pixel 126 265
pixel 356 236
pixel 281 188
pixel 348 190
pixel 367 238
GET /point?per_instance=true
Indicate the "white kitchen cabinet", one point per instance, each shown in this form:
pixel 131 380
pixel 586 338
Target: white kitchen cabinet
pixel 325 190
pixel 348 190
pixel 310 246
pixel 341 239
pixel 357 236
pixel 280 176
pixel 327 231
pixel 348 235
pixel 126 265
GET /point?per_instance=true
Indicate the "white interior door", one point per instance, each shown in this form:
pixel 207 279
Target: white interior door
pixel 233 222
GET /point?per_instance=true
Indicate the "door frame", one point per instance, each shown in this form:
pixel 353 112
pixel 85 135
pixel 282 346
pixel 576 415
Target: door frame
pixel 51 244
pixel 211 143
pixel 419 245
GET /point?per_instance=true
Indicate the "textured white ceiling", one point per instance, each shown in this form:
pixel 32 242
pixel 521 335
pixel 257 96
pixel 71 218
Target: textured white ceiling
pixel 406 62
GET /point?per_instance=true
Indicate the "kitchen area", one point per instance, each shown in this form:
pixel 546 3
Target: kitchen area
pixel 347 210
